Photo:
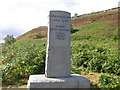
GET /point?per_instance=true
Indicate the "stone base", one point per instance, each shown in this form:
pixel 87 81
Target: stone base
pixel 75 81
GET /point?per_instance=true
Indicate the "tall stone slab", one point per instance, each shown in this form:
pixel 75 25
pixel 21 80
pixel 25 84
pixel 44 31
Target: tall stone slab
pixel 58 45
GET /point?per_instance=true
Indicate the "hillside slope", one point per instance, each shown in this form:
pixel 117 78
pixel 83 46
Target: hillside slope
pixel 36 33
pixel 103 25
pixel 98 24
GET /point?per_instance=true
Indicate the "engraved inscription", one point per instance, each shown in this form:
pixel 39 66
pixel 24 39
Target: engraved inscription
pixel 58 29
pixel 56 16
pixel 60 35
pixel 60 18
pixel 59 24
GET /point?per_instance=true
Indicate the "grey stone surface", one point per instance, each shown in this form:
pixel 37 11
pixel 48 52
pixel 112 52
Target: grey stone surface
pixel 75 81
pixel 58 45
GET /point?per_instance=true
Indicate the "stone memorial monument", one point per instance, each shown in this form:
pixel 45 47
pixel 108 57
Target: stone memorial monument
pixel 57 70
pixel 58 47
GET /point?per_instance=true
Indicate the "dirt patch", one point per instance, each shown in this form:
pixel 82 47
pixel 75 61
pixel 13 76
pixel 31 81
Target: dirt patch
pixel 115 45
pixel 80 21
pixel 1 62
pixel 93 77
pixel 44 38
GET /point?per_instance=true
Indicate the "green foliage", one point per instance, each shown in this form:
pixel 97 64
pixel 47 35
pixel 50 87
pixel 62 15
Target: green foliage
pixel 101 28
pixel 86 56
pixel 109 81
pixel 36 35
pixel 23 59
pixel 9 39
pixel 27 57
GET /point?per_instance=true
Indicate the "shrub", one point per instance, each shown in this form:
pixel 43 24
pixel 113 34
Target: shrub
pixel 23 59
pixel 93 58
pixel 9 39
pixel 107 81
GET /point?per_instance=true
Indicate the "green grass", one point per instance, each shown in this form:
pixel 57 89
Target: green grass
pixel 101 32
pixel 96 29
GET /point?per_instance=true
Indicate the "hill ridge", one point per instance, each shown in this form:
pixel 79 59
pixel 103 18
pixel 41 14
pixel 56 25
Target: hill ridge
pixel 81 20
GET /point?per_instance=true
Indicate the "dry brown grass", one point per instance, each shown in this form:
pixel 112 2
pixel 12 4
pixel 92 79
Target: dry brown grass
pixel 42 29
pixel 93 77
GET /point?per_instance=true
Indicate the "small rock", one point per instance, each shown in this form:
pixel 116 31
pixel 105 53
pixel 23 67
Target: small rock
pixel 9 87
pixel 91 74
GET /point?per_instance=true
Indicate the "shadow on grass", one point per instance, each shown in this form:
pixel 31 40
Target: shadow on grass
pixel 74 31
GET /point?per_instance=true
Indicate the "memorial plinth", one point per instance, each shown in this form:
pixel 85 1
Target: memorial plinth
pixel 57 70
pixel 75 81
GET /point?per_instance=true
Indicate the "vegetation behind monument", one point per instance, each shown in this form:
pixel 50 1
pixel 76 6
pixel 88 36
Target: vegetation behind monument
pixel 94 48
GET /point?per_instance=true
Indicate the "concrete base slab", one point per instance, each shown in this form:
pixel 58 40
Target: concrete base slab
pixel 75 81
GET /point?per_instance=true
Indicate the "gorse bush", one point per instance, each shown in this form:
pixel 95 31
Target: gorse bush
pixel 23 59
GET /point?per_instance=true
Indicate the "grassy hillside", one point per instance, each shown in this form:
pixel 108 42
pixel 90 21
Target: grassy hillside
pixel 104 24
pixel 100 29
pixel 100 24
pixel 36 33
